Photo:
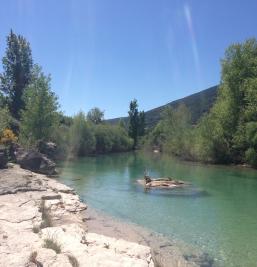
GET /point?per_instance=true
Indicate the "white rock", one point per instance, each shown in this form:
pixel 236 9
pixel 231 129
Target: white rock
pixel 19 212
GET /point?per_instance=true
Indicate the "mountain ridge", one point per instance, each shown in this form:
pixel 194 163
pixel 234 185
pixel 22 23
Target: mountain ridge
pixel 197 103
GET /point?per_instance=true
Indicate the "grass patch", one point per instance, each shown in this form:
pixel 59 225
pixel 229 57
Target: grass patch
pixel 51 243
pixel 106 245
pixel 33 259
pixel 36 229
pixel 73 261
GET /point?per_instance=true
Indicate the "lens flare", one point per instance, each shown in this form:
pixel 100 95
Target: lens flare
pixel 189 21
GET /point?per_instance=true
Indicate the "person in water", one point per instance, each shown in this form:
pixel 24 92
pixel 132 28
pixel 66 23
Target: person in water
pixel 147 178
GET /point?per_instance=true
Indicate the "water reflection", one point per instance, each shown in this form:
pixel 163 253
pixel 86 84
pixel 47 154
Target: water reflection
pixel 188 193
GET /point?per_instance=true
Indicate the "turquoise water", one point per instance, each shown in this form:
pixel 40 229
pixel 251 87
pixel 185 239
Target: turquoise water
pixel 217 213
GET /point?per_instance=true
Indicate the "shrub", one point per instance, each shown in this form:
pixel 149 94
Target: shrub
pixel 73 261
pixel 81 137
pixel 52 243
pixel 33 259
pixel 35 229
pixel 5 119
pixel 251 157
pixel 112 139
pixel 8 137
pixel 33 256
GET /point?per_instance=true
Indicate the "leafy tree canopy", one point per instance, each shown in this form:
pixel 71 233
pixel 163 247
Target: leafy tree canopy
pixel 40 116
pixel 95 115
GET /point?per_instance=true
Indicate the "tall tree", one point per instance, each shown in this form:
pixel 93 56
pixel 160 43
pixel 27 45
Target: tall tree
pixel 136 122
pixel 40 116
pixel 17 66
pixel 176 129
pixel 133 121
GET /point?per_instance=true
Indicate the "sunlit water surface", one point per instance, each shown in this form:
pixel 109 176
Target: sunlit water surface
pixel 217 214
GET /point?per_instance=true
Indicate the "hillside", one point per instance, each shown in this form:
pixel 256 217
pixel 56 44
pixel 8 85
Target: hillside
pixel 197 103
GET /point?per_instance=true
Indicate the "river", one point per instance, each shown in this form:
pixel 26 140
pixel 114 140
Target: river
pixel 217 213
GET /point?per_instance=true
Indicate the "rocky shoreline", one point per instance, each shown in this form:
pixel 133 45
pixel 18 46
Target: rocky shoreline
pixel 44 223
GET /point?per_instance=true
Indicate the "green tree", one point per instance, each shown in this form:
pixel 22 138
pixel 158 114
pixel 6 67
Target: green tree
pixel 39 117
pixel 81 136
pixel 122 142
pixel 136 122
pixel 17 67
pixel 122 123
pixel 236 104
pixel 104 138
pixel 228 132
pixel 95 115
pixel 177 131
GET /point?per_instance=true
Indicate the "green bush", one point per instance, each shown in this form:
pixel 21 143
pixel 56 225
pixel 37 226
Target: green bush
pixel 111 139
pixel 52 243
pixel 251 157
pixel 81 136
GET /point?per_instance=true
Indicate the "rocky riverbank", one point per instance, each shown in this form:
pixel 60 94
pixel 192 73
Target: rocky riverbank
pixel 43 223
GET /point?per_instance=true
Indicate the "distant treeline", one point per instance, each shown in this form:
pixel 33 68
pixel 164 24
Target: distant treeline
pixel 228 132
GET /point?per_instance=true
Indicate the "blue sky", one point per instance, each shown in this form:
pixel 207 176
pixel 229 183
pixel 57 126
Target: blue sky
pixel 106 52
